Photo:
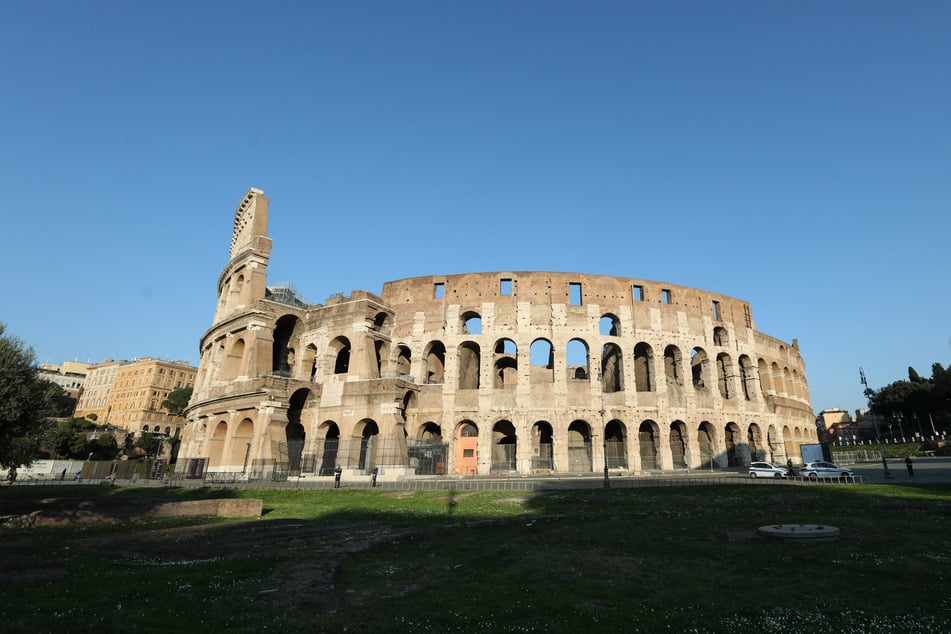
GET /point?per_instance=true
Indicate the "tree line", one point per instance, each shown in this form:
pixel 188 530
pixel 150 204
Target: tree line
pixel 918 402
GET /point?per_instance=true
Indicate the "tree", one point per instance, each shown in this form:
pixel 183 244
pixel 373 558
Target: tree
pixel 25 402
pixel 177 400
pixel 147 443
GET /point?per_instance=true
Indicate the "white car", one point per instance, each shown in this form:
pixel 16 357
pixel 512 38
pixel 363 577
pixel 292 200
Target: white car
pixel 816 470
pixel 767 470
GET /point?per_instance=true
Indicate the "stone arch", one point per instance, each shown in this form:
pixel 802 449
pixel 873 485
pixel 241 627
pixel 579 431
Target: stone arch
pixel 506 364
pixel 579 364
pixel 788 382
pixel 777 376
pixel 466 455
pixel 765 380
pixel 430 432
pixel 673 366
pixel 543 457
pixel 241 444
pixel 366 431
pixel 746 377
pixel 754 439
pixel 609 325
pixel 725 375
pixel 403 361
pixel 471 323
pixel 698 369
pixel 720 337
pixel 469 358
pixel 612 368
pixel 380 321
pixel 643 367
pixel 677 441
pixel 216 444
pixel 286 330
pixel 776 452
pixel 579 447
pixel 733 445
pixel 309 361
pixel 409 407
pixel 434 358
pixel 340 350
pixel 504 447
pixel 542 359
pixel 647 435
pixel 329 435
pixel 233 365
pixel 615 444
pixel 706 443
pixel 294 430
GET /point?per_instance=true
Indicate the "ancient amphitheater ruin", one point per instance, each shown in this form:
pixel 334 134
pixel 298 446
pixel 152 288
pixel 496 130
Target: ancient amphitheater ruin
pixel 507 373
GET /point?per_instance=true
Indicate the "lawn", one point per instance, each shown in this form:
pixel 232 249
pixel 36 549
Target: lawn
pixel 631 560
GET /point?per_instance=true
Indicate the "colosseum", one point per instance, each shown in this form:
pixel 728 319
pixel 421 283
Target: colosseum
pixel 507 373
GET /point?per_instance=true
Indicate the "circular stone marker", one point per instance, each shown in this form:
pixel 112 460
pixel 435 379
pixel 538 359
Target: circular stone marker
pixel 803 533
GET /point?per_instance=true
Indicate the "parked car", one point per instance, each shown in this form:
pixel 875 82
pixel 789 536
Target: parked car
pixel 767 470
pixel 816 470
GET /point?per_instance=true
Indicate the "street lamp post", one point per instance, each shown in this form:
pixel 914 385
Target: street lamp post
pixel 604 434
pixel 868 394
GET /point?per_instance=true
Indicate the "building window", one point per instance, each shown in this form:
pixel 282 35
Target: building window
pixel 574 293
pixel 505 287
pixel 638 292
pixel 665 295
pixel 716 310
pixel 439 290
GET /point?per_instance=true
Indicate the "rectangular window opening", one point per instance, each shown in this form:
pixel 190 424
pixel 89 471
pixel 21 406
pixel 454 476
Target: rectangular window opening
pixel 638 292
pixel 665 295
pixel 574 293
pixel 716 310
pixel 439 290
pixel 505 287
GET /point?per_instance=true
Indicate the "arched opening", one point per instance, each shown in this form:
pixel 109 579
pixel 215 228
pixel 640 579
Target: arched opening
pixel 776 452
pixel 615 444
pixel 672 366
pixel 720 337
pixel 309 362
pixel 647 442
pixel 427 452
pixel 410 404
pixel 330 434
pixel 612 368
pixel 379 322
pixel 543 458
pixel 506 364
pixel 678 445
pixel 609 326
pixel 542 358
pixel 698 369
pixel 765 383
pixel 367 431
pixel 404 363
pixel 578 362
pixel 469 365
pixel 732 441
pixel 755 441
pixel 504 447
pixel 725 375
pixel 746 377
pixel 435 356
pixel 643 364
pixel 705 436
pixel 466 455
pixel 471 323
pixel 294 431
pixel 283 352
pixel 381 349
pixel 340 348
pixel 579 447
pixel 241 444
pixel 234 361
pixel 216 443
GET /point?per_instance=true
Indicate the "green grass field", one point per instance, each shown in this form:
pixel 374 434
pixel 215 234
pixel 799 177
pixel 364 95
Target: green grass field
pixel 619 560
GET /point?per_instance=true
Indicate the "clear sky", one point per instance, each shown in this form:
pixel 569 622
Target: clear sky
pixel 796 155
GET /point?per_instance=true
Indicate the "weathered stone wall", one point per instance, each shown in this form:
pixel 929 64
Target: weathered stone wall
pixel 518 372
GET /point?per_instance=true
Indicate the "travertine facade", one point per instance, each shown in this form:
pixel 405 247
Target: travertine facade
pixel 513 373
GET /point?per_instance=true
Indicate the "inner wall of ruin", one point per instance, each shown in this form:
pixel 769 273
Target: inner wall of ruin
pixel 512 372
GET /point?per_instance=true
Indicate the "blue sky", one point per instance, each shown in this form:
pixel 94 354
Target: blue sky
pixel 796 155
